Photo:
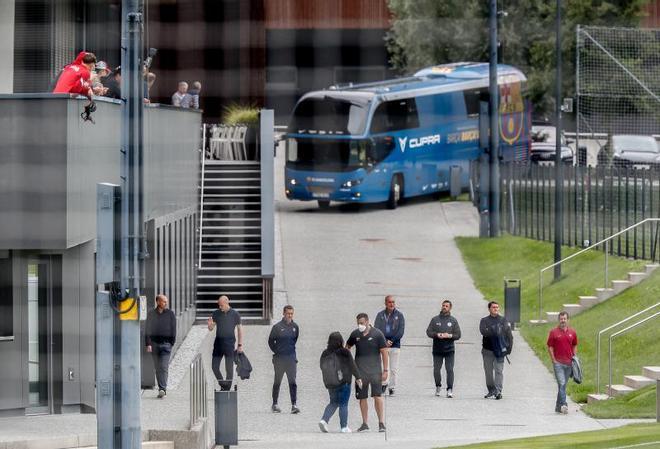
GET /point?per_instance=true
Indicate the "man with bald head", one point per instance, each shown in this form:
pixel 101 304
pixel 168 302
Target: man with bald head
pixel 160 336
pixel 391 322
pixel 229 329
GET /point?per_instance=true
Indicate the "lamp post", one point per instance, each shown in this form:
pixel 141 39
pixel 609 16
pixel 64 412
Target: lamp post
pixel 494 126
pixel 559 207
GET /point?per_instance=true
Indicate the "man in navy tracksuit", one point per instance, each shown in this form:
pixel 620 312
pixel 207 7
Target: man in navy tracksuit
pixel 282 341
pixel 444 330
pixel 392 324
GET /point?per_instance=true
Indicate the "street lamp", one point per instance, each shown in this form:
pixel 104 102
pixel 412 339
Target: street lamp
pixel 558 165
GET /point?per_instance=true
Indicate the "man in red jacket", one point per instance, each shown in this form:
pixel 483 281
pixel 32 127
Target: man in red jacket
pixel 74 78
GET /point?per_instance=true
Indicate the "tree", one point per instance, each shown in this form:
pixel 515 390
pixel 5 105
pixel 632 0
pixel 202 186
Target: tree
pixel 429 32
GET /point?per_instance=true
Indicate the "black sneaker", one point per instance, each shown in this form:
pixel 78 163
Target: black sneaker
pixel 490 394
pixel 391 391
pixel 363 428
pixel 381 427
pixel 294 410
pixel 276 409
pixel 498 396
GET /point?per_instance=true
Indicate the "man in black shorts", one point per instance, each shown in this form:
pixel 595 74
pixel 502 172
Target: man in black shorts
pixel 229 326
pixel 370 349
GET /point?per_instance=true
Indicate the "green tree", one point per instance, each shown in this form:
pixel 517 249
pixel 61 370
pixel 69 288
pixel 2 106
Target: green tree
pixel 429 32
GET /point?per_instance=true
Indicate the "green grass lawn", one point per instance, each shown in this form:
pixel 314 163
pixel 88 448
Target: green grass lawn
pixel 641 435
pixel 491 260
pixel 639 404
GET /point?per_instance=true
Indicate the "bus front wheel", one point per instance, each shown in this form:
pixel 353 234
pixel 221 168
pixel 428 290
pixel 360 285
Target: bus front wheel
pixel 324 204
pixel 396 189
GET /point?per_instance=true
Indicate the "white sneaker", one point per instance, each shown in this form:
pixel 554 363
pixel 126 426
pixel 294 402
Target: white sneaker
pixel 450 394
pixel 564 409
pixel 323 426
pixel 346 430
pixel 438 391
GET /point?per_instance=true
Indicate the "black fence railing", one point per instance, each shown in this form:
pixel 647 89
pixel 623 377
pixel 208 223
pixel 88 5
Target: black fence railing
pixel 597 202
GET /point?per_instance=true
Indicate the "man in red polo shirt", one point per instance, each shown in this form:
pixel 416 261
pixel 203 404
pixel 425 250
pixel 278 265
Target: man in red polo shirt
pixel 562 341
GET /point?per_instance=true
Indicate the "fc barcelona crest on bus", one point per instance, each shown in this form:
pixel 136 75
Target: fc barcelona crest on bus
pixel 512 108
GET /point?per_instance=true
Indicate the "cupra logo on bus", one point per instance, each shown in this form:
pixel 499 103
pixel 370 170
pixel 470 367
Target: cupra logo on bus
pixel 417 142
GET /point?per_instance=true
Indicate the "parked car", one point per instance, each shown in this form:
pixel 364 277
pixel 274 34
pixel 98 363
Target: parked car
pixel 631 151
pixel 544 146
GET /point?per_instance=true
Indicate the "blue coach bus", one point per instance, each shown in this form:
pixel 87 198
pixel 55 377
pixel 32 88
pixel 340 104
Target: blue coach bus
pixel 395 139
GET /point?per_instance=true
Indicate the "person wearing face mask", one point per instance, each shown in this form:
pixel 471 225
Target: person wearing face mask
pixel 372 360
pixel 444 330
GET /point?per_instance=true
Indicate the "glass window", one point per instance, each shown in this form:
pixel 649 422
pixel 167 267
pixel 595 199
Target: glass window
pixel 329 116
pixel 395 116
pixel 472 99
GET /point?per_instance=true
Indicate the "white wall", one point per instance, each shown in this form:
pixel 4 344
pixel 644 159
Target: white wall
pixel 6 46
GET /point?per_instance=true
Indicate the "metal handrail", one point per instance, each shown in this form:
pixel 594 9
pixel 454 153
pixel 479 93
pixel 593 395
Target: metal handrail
pixel 198 391
pixel 623 331
pixel 604 241
pixel 635 315
pixel 201 199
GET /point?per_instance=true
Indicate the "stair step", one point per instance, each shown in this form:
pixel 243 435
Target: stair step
pixel 619 390
pixel 638 382
pixel 596 398
pixel 588 301
pixel 232 219
pixel 229 260
pixel 604 293
pixel 620 285
pixel 232 227
pixel 229 252
pixel 256 187
pixel 651 267
pixel 227 268
pixel 231 276
pixel 572 308
pixel 652 372
pixel 228 293
pixel 255 284
pixel 552 316
pixel 635 277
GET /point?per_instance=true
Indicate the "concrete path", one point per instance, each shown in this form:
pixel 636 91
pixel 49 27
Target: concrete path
pixel 338 263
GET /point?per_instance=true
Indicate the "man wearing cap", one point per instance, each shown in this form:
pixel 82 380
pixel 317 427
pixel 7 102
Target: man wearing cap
pixel 113 83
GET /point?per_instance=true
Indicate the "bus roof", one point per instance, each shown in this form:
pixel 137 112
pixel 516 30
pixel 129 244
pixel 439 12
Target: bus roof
pixel 435 79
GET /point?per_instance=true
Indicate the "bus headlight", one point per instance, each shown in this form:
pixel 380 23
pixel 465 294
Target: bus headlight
pixel 352 183
pixel 292 182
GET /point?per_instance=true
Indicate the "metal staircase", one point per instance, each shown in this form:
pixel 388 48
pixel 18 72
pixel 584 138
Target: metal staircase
pixel 236 236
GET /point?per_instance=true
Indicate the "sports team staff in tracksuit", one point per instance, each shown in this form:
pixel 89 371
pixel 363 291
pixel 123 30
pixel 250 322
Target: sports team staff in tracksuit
pixel 444 330
pixel 391 322
pixel 282 341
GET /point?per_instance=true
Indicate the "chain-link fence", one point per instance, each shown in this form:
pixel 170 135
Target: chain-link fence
pixel 617 85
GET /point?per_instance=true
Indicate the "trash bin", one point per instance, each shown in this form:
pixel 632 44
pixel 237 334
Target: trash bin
pixel 512 300
pixel 226 418
pixel 455 181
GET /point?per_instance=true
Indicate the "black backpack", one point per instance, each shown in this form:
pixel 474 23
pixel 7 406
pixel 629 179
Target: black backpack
pixel 331 370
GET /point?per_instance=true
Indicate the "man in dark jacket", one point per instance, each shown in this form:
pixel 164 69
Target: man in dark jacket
pixel 497 344
pixel 444 330
pixel 282 341
pixel 160 336
pixel 392 324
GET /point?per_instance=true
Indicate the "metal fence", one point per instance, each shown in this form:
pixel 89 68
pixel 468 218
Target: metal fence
pixel 198 391
pixel 597 202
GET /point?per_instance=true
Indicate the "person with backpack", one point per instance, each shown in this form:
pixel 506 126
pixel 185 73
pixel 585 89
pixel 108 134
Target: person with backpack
pixel 337 368
pixel 496 345
pixel 282 341
pixel 562 341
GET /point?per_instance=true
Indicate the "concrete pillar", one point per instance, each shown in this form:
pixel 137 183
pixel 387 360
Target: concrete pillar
pixel 7 18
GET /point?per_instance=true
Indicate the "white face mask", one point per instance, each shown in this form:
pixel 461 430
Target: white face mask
pixel 362 327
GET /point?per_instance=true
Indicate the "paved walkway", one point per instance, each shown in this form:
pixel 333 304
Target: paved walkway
pixel 338 263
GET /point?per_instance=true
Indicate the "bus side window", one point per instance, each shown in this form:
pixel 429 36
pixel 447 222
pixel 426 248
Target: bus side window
pixel 472 98
pixel 395 115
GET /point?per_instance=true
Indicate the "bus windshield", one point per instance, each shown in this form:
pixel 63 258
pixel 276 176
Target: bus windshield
pixel 336 155
pixel 329 116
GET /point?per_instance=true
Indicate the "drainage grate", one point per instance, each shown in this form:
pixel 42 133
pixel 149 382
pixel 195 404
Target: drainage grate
pixel 409 259
pixel 372 240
